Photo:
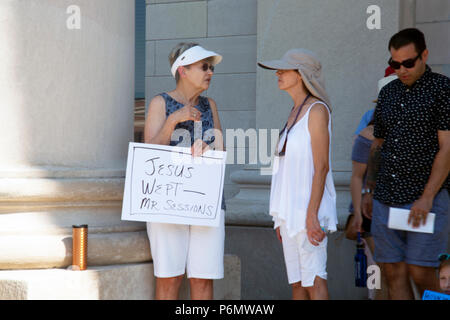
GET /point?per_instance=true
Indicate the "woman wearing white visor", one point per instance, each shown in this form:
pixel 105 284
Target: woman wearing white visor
pixel 179 248
pixel 302 196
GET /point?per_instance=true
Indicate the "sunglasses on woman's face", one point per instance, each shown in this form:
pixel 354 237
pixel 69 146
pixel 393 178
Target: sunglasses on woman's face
pixel 409 63
pixel 207 66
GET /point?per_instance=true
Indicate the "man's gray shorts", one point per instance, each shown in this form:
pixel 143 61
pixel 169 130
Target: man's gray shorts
pixel 415 248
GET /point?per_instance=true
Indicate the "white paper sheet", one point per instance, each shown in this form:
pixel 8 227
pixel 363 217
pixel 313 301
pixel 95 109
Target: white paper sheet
pixel 398 219
pixel 166 184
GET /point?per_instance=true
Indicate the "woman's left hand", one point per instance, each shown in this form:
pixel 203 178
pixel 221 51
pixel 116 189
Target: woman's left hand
pixel 199 147
pixel 313 230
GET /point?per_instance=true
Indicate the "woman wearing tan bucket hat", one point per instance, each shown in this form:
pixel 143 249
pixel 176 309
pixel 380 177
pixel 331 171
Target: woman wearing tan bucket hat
pixel 303 197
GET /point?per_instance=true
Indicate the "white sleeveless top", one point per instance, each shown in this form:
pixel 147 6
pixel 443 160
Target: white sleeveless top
pixel 292 177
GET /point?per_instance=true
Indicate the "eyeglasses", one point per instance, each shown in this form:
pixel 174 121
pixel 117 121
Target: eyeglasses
pixel 409 63
pixel 443 257
pixel 207 66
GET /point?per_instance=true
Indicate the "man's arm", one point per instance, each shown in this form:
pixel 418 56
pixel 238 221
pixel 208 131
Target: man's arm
pixel 372 171
pixel 439 172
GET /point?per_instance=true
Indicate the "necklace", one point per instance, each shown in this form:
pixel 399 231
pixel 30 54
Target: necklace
pixel 296 116
pixel 283 150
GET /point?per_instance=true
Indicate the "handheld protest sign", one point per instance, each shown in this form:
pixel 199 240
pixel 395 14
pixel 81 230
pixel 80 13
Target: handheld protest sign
pixel 167 184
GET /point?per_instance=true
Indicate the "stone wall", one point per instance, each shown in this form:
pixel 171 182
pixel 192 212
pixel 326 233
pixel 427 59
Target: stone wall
pixel 433 18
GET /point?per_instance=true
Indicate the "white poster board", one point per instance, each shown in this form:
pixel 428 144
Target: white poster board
pixel 167 184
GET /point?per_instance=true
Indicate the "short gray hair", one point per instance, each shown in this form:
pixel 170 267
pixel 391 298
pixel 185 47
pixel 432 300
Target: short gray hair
pixel 177 51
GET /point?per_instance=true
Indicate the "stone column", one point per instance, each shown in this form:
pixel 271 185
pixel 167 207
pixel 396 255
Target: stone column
pixel 66 110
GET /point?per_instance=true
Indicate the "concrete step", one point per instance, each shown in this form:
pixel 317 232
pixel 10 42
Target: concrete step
pixel 115 282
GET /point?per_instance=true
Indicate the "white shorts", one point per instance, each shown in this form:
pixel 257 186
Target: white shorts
pixel 177 247
pixel 303 260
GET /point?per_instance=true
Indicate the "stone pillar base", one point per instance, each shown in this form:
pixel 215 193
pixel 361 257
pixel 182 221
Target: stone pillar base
pixel 116 282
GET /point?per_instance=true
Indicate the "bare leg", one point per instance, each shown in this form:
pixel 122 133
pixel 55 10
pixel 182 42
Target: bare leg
pixel 201 289
pixel 397 277
pixel 370 243
pixel 383 293
pixel 299 292
pixel 168 288
pixel 424 277
pixel 319 291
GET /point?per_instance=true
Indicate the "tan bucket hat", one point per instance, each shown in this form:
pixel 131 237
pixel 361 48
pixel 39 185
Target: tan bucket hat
pixel 307 65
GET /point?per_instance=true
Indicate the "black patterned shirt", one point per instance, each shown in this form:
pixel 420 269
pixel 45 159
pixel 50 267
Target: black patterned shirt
pixel 408 119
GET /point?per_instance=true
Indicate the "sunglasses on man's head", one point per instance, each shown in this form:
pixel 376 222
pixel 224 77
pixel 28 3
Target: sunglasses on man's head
pixel 443 256
pixel 409 63
pixel 207 66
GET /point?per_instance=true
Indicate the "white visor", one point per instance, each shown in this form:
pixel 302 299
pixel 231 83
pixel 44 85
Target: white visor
pixel 193 55
pixel 384 81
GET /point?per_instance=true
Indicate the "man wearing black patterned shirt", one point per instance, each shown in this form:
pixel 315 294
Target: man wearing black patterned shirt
pixel 409 166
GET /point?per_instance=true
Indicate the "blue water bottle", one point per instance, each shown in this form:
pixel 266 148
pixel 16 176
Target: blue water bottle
pixel 360 264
